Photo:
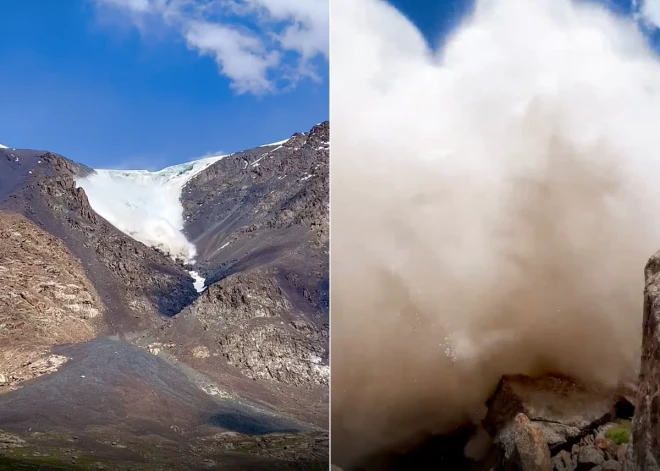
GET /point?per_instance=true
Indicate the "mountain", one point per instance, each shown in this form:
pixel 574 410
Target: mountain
pixel 176 318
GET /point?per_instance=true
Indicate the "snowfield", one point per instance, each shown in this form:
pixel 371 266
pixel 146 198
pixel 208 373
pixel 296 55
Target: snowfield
pixel 146 205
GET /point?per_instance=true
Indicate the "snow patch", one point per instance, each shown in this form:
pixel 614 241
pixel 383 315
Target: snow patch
pixel 3 147
pixel 198 281
pixel 146 205
pixel 278 143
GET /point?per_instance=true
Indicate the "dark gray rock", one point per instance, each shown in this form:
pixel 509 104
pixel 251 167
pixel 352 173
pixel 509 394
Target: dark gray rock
pixel 612 465
pixel 646 423
pixel 562 461
pixel 589 457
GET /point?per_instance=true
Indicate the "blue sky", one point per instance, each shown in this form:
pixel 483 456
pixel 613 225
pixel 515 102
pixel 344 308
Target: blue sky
pixel 149 83
pixel 437 19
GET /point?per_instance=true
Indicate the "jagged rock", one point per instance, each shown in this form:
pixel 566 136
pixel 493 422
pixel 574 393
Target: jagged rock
pixel 523 447
pixel 269 352
pixel 562 409
pixel 589 457
pixel 240 298
pixel 646 424
pixel 563 461
pixel 256 329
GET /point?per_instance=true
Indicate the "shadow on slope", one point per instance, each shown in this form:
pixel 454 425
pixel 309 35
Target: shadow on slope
pixel 111 384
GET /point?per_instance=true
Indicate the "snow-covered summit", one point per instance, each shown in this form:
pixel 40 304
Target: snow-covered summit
pixel 3 147
pixel 278 143
pixel 146 205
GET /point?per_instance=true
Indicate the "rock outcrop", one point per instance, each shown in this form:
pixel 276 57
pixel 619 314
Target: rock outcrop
pixel 523 446
pixel 256 329
pixel 46 299
pixel 554 423
pixel 548 423
pixel 646 426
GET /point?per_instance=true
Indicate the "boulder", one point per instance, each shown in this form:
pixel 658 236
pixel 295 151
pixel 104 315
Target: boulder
pixel 589 457
pixel 563 461
pixel 523 446
pixel 612 465
pixel 563 410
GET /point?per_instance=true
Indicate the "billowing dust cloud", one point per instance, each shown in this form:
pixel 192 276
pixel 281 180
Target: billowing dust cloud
pixel 493 206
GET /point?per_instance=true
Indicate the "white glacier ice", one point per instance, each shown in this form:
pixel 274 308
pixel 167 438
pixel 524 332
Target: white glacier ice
pixel 146 205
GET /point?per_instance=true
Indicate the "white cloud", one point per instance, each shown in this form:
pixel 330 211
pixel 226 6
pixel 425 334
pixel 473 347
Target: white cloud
pixel 307 32
pixel 257 44
pixel 133 5
pixel 650 12
pixel 239 56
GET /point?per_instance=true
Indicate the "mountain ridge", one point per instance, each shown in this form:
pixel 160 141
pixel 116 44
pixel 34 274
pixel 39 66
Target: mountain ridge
pixel 258 330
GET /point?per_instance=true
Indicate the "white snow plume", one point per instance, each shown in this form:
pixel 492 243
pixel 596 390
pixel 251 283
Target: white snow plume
pixel 198 281
pixel 146 205
pixel 493 207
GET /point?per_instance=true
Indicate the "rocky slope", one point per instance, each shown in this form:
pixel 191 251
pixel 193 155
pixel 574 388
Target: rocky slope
pixel 46 299
pixel 259 221
pixel 267 207
pixel 248 353
pixel 135 282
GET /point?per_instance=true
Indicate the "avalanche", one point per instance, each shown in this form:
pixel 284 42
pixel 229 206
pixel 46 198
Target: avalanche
pixel 146 205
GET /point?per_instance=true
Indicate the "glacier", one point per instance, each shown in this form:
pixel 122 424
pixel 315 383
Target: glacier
pixel 146 205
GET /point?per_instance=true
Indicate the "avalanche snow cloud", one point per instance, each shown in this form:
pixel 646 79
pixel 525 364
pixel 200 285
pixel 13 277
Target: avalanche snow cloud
pixel 493 207
pixel 146 205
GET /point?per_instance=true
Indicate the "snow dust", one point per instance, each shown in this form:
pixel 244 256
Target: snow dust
pixel 146 205
pixel 198 281
pixel 493 207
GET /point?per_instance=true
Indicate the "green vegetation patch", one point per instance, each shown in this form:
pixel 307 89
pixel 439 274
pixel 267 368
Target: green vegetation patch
pixel 620 433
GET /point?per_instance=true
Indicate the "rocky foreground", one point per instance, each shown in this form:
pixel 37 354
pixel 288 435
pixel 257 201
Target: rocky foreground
pixel 553 423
